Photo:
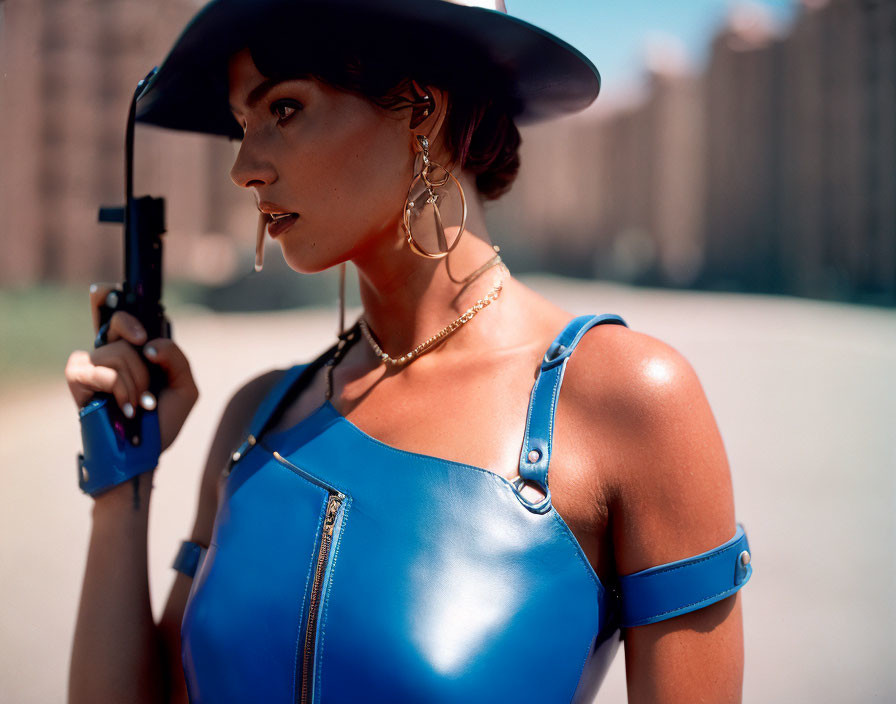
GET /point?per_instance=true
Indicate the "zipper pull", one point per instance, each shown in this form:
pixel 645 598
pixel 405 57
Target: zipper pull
pixel 332 510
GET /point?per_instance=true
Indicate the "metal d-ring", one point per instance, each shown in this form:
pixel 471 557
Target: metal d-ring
pixel 540 506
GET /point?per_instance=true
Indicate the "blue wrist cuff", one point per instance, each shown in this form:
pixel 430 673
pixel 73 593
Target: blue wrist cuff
pixel 676 588
pixel 109 458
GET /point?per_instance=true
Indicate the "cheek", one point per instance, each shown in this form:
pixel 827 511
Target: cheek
pixel 372 170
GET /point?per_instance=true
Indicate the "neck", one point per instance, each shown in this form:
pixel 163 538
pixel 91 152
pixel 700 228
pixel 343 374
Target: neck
pixel 407 298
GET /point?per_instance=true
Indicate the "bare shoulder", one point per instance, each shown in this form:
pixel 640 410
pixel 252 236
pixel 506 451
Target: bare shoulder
pixel 670 479
pixel 633 371
pixel 641 379
pixel 233 426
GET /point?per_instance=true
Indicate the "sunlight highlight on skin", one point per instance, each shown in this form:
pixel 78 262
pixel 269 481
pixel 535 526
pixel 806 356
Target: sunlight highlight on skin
pixel 658 370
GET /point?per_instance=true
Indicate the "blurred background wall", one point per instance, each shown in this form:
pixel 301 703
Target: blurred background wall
pixel 769 169
pixel 70 68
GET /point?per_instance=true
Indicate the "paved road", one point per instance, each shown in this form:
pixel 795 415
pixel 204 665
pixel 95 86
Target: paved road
pixel 805 396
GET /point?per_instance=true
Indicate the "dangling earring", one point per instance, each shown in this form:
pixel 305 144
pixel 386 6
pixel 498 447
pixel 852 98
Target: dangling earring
pixel 341 300
pixel 427 175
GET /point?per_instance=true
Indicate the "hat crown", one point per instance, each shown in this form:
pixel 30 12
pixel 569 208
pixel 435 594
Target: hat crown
pixel 497 5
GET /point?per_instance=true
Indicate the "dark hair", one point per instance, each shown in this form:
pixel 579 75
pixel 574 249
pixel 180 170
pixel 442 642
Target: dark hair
pixel 380 62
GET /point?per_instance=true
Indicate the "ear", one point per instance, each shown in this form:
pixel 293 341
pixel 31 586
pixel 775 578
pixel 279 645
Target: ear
pixel 421 102
pixel 429 107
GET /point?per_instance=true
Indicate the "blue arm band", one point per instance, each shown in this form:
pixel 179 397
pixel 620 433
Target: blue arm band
pixel 188 558
pixel 109 458
pixel 683 586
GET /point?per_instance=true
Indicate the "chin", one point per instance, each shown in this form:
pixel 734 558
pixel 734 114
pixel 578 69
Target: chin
pixel 309 261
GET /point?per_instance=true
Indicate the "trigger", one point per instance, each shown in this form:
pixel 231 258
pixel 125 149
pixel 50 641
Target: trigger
pixel 101 335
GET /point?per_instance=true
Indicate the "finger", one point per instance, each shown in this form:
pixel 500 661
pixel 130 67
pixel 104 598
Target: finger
pixel 164 352
pixel 123 325
pixel 99 292
pixel 113 357
pixel 89 379
pixel 137 369
pixel 77 361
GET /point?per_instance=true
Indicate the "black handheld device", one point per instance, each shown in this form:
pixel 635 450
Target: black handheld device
pixel 141 290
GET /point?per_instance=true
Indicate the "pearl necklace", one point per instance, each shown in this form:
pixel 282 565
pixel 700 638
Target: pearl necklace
pixel 452 327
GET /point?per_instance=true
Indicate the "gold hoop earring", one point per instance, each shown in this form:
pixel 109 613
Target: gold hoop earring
pixel 428 175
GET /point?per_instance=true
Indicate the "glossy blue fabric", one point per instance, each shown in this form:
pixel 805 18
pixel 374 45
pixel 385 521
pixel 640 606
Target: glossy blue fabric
pixel 443 584
pixel 109 459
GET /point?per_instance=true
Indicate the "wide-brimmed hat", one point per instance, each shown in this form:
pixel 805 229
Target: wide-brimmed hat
pixel 545 76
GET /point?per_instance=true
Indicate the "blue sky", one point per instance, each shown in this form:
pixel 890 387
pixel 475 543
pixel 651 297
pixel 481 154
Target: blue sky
pixel 612 33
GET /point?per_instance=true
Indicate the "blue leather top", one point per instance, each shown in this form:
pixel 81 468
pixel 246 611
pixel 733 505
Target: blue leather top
pixel 441 583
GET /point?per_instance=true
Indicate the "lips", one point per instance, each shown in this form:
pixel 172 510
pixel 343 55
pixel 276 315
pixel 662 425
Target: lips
pixel 280 219
pixel 281 222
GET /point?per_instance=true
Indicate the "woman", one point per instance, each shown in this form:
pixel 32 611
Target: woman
pixel 378 525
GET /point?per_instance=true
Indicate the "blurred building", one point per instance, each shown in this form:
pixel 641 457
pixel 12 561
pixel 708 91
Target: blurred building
pixel 69 69
pixel 774 169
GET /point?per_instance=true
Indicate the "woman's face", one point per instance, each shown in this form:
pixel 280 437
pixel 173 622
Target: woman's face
pixel 339 162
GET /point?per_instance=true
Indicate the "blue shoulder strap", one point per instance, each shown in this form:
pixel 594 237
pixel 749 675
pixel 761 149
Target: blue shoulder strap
pixel 680 587
pixel 270 403
pixel 535 456
pixel 266 409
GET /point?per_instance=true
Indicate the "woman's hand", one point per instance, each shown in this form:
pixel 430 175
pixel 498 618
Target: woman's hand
pixel 119 369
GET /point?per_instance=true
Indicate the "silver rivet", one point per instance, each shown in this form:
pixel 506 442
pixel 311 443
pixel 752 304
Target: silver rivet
pixel 745 558
pixel 560 350
pixel 251 440
pixel 236 457
pixel 533 456
pixel 85 474
pixel 135 440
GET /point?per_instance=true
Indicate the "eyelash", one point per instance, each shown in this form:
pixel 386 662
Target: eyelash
pixel 278 105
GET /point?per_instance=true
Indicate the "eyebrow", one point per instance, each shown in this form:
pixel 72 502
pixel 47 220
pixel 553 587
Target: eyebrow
pixel 258 92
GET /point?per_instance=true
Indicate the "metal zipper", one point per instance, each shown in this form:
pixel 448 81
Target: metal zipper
pixel 334 502
pixel 326 540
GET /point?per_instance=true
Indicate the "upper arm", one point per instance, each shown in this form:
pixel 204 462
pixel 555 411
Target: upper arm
pixel 671 499
pixel 233 426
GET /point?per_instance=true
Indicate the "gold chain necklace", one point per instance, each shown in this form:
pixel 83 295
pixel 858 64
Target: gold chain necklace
pixel 470 313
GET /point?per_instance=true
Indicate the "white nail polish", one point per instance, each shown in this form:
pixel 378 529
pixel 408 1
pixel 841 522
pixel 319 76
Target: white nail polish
pixel 147 400
pixel 128 410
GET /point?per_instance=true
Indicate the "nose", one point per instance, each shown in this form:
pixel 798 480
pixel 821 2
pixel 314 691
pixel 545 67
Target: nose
pixel 251 168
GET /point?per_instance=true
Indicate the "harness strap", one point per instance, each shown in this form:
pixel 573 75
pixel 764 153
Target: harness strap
pixel 291 383
pixel 535 456
pixel 271 402
pixel 266 410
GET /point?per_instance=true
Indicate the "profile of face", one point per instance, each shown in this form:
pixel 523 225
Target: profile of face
pixel 338 161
